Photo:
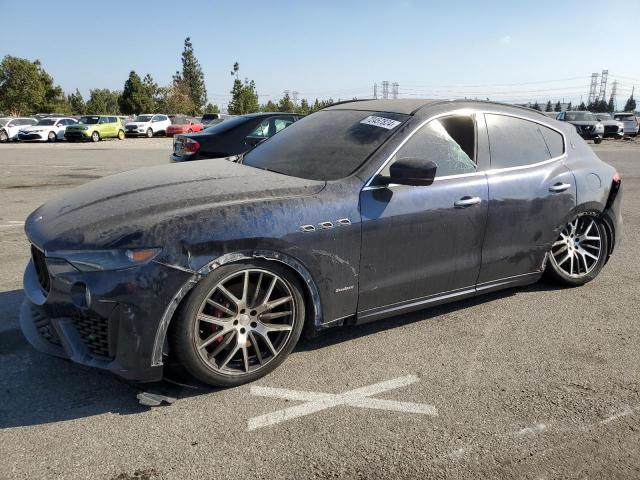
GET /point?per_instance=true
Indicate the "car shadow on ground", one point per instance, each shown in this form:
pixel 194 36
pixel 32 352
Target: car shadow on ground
pixel 38 389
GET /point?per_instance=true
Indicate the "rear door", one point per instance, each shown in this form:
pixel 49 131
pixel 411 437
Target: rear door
pixel 421 242
pixel 531 193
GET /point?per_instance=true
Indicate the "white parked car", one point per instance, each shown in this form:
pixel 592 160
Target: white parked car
pixel 47 129
pixel 9 127
pixel 148 125
pixel 631 125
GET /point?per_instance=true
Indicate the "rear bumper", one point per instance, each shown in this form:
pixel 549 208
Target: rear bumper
pixel 116 332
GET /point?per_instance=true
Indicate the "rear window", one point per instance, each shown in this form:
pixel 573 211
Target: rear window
pixel 515 142
pixel 625 118
pixel 227 124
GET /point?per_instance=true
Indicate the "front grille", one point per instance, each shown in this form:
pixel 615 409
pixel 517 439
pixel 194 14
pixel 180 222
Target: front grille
pixel 40 264
pixel 43 325
pixel 610 129
pixel 131 127
pixel 94 331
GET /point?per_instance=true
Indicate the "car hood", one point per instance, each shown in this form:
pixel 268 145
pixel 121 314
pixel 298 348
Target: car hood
pixel 609 122
pixel 583 122
pixel 137 124
pixel 125 210
pixel 31 128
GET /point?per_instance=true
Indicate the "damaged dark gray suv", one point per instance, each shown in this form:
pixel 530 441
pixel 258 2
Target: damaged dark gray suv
pixel 358 212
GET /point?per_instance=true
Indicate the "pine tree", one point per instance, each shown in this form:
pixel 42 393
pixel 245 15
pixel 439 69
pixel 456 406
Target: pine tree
pixel 244 98
pixel 103 101
pixel 76 102
pixel 138 96
pixel 611 105
pixel 285 104
pixel 558 107
pixel 211 108
pixel 269 107
pixel 536 106
pixel 193 76
pixel 548 108
pixel 569 107
pixel 304 108
pixel 630 105
pixel 582 107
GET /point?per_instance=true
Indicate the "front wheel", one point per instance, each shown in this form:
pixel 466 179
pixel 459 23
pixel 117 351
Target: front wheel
pixel 239 323
pixel 121 135
pixel 95 137
pixel 149 133
pixel 52 137
pixel 580 252
pixel 4 137
pixel 597 140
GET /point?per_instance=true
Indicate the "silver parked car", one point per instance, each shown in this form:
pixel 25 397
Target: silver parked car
pixel 612 127
pixel 630 122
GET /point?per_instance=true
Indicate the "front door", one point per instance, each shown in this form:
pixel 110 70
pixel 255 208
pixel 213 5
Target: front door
pixel 419 242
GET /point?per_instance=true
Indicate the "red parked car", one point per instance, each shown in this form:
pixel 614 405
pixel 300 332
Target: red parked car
pixel 181 124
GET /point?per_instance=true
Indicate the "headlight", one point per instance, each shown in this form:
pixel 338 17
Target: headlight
pixel 101 260
pixel 83 127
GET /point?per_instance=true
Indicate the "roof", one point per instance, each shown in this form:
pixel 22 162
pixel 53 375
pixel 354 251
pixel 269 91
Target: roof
pixel 399 105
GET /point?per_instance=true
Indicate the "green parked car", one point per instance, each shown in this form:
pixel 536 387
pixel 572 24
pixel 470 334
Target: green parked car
pixel 95 128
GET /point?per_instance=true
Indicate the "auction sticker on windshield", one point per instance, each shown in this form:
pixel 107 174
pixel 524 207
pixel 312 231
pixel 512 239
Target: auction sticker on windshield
pixel 380 122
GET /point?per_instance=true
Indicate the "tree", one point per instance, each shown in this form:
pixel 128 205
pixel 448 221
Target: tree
pixel 25 87
pixel 569 106
pixel 76 102
pixel 103 101
pixel 175 98
pixel 244 98
pixel 285 104
pixel 611 106
pixel 304 108
pixel 548 108
pixel 558 107
pixel 193 76
pixel 582 107
pixel 630 105
pixel 210 108
pixel 137 96
pixel 536 106
pixel 269 107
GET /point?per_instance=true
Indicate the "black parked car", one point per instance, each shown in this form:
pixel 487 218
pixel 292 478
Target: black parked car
pixel 231 137
pixel 586 124
pixel 358 212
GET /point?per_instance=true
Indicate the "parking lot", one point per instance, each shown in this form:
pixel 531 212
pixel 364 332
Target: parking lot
pixel 539 382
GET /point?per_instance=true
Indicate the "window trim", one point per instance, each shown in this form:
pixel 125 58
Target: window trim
pixel 490 171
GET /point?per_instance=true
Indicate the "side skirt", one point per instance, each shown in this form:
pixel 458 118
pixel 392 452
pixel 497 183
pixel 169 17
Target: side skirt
pixel 379 313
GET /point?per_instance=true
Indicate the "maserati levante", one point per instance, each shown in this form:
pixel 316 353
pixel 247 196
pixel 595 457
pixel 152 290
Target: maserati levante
pixel 361 211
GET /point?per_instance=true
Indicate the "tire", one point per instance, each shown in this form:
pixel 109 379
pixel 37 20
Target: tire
pixel 95 137
pixel 190 131
pixel 568 264
pixel 52 137
pixel 4 137
pixel 236 341
pixel 121 135
pixel 149 133
pixel 597 140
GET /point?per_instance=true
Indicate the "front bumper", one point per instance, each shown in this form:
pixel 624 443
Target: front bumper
pixel 32 137
pixel 77 135
pixel 116 331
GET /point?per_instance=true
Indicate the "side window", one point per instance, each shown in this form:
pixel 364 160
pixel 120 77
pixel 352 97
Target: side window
pixel 162 118
pixel 14 123
pixel 281 123
pixel 262 130
pixel 554 141
pixel 514 142
pixel 449 142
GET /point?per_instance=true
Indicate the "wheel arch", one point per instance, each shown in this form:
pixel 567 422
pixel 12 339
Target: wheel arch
pixel 310 291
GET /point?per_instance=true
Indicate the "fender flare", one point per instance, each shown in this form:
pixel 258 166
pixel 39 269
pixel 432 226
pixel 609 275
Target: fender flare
pixel 270 255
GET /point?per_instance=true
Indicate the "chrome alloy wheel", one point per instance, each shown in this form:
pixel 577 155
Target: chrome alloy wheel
pixel 578 249
pixel 245 321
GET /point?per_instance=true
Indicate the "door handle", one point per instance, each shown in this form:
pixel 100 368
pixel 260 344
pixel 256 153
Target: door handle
pixel 465 202
pixel 559 187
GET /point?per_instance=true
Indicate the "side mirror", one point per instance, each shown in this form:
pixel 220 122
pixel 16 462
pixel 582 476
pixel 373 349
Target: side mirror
pixel 412 171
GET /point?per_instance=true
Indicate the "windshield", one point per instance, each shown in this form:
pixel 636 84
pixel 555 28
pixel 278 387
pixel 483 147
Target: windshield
pixel 327 145
pixel 580 117
pixel 143 118
pixel 89 120
pixel 4 121
pixel 603 116
pixel 47 121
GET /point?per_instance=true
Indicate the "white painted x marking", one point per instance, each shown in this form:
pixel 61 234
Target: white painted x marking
pixel 317 401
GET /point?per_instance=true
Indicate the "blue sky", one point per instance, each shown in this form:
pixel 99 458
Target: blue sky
pixel 510 51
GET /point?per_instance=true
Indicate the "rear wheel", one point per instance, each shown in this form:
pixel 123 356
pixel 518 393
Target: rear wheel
pixel 149 133
pixel 121 135
pixel 239 323
pixel 95 137
pixel 580 252
pixel 4 137
pixel 52 137
pixel 597 140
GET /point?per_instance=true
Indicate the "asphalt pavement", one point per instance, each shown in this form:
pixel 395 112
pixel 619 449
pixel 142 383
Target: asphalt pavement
pixel 539 382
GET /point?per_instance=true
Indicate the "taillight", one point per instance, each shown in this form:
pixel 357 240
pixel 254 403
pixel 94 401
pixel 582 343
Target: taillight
pixel 616 181
pixel 191 146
